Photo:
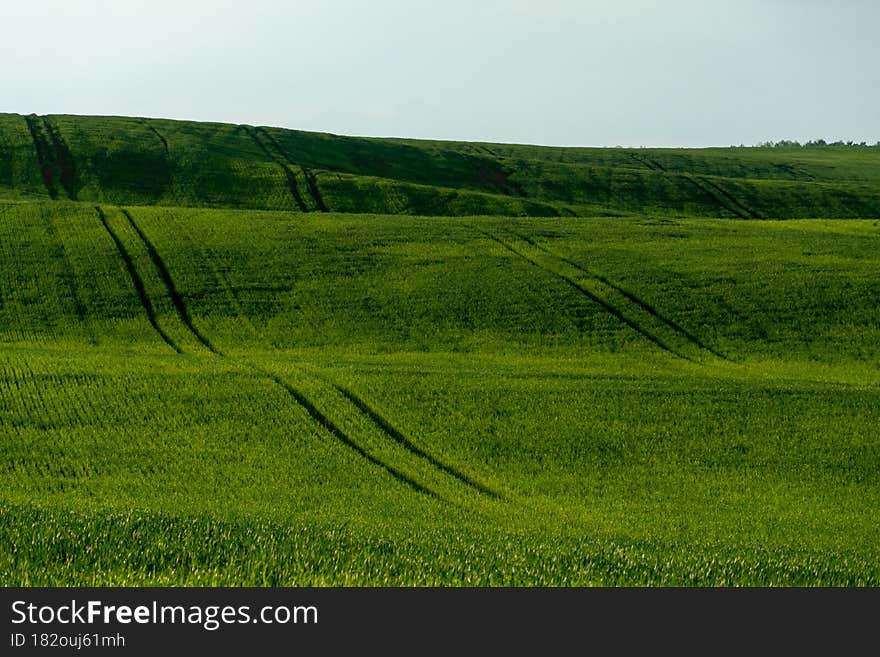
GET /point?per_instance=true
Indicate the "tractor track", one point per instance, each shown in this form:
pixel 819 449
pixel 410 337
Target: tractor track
pixel 176 299
pixel 69 278
pixel 721 196
pixel 311 179
pixel 221 278
pixel 63 158
pixel 137 281
pixel 56 162
pixel 298 396
pixel 609 307
pixel 407 444
pixel 292 184
pixel 312 184
pixel 644 305
pixel 719 199
pixel 651 164
pixel 44 155
pixel 344 438
pixel 580 289
pixel 158 134
pixel 743 209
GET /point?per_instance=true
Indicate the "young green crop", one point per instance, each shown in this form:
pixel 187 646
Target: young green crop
pixel 139 161
pixel 202 396
pixel 233 355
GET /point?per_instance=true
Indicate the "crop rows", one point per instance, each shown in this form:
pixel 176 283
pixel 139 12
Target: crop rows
pixel 201 396
pixel 377 442
pixel 136 548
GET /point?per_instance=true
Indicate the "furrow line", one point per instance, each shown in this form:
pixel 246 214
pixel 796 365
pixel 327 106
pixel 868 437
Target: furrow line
pixel 158 134
pixel 311 180
pixel 176 299
pixel 339 434
pixel 44 155
pixel 137 281
pixel 751 214
pixel 414 449
pixel 648 308
pixel 592 297
pixel 63 158
pixel 292 185
pixel 69 277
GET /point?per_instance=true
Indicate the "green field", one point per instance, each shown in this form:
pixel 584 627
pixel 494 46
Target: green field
pixel 233 355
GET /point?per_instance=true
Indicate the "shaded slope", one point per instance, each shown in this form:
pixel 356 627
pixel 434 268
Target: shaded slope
pixel 20 172
pixel 153 161
pixel 57 167
pixel 272 153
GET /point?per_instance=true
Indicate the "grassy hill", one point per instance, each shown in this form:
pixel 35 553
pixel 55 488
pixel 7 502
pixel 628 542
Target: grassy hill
pixel 177 163
pixel 229 356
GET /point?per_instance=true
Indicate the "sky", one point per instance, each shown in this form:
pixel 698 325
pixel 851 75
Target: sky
pixel 686 73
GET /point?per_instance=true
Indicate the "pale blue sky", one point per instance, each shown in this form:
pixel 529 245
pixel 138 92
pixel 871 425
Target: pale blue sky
pixel 563 72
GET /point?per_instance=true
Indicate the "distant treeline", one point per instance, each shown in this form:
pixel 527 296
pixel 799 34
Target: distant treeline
pixel 815 143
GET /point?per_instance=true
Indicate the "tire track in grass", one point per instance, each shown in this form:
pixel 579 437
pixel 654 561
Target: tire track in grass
pixel 220 277
pixel 644 305
pixel 595 298
pixel 292 185
pixel 644 161
pixel 65 165
pixel 137 281
pixel 158 134
pixel 164 274
pixel 57 166
pixel 723 202
pixel 361 405
pixel 721 196
pixel 311 179
pixel 743 210
pixel 69 277
pixel 312 184
pixel 45 155
pixel 311 409
pixel 411 447
pixel 339 434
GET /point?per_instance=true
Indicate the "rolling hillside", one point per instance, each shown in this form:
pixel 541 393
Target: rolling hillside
pixel 149 161
pixel 230 356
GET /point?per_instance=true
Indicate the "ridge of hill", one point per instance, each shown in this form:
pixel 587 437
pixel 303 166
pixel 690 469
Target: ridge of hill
pixel 140 161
